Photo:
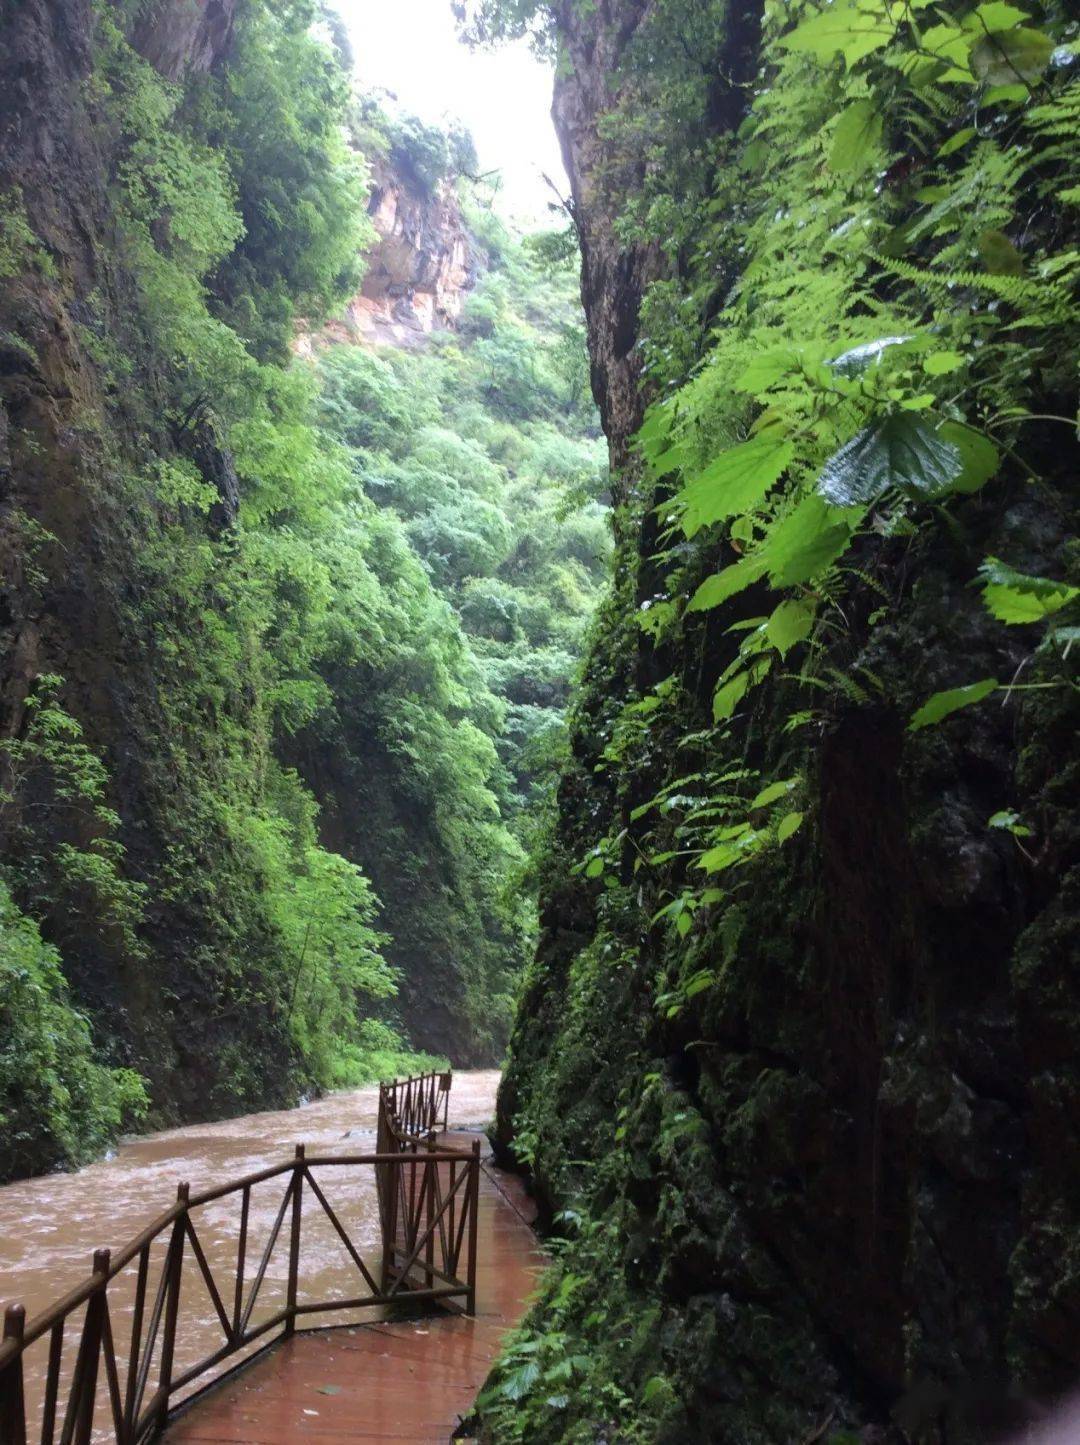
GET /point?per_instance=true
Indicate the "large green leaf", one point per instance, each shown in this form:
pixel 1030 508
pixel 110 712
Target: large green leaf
pixel 725 584
pixel 999 255
pixel 727 698
pixel 804 542
pixel 769 367
pixel 994 15
pixel 791 623
pixel 1017 598
pixel 789 824
pixel 1012 55
pixel 941 704
pixel 856 137
pixel 737 480
pixel 979 458
pixel 853 31
pixel 902 450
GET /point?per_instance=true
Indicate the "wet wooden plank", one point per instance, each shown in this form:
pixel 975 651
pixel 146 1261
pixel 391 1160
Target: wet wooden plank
pixel 406 1381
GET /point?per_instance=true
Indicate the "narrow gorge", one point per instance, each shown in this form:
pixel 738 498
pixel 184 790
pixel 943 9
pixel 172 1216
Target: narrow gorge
pixel 290 423
pixel 637 645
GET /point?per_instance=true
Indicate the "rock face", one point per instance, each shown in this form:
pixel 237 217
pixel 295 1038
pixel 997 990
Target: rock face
pixel 419 272
pixel 613 276
pixel 847 1197
pixel 187 36
pixel 64 449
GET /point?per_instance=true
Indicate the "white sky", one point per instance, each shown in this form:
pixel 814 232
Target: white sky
pixel 410 47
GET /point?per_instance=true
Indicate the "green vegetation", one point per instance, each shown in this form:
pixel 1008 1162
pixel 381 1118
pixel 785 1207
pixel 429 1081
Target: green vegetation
pixel 58 1105
pixel 850 611
pixel 485 446
pixel 267 832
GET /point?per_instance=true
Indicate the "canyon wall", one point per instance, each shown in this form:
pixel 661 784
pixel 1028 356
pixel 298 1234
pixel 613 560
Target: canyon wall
pixel 829 1192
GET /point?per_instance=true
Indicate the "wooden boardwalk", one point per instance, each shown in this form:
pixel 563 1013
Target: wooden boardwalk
pixel 399 1382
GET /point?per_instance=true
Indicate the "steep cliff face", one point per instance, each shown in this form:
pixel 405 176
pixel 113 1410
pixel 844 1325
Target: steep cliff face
pixel 83 601
pixel 613 276
pixel 417 274
pixel 68 580
pixel 823 1190
pixel 180 38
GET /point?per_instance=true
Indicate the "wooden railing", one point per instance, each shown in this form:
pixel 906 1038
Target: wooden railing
pixel 417 1198
pixel 414 1105
pixel 121 1390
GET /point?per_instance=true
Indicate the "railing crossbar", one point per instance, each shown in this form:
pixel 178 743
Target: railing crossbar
pixel 208 1278
pixel 342 1235
pixel 267 1252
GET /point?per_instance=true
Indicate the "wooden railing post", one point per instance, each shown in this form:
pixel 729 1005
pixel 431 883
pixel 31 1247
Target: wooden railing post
pixel 294 1240
pixel 429 1213
pixel 12 1399
pixel 84 1382
pixel 474 1220
pixel 393 1195
pixel 131 1394
pixel 174 1263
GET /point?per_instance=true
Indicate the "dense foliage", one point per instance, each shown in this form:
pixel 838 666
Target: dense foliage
pixel 849 535
pixel 258 833
pixel 485 446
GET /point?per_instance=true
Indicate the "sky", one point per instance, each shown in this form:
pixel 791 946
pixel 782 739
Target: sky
pixel 410 48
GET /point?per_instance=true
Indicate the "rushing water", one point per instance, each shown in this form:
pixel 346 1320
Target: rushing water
pixel 50 1226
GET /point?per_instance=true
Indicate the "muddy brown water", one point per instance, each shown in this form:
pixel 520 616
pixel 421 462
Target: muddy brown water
pixel 50 1226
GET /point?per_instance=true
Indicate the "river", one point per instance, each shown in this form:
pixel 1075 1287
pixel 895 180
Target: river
pixel 50 1226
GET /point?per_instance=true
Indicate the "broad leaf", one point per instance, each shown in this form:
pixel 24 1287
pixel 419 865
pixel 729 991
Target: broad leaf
pixel 727 698
pixel 948 43
pixel 941 704
pixel 993 16
pixel 731 692
pixel 768 368
pixel 1016 598
pixel 517 1383
pixel 737 480
pixel 957 141
pixel 941 363
pixel 844 29
pixel 856 137
pixel 979 457
pixel 803 543
pixel 773 791
pixel 903 450
pixel 1012 55
pixel 789 824
pixel 999 255
pixel 791 623
pixel 732 580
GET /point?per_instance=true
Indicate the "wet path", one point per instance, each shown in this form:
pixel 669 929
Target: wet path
pixel 49 1228
pixel 402 1382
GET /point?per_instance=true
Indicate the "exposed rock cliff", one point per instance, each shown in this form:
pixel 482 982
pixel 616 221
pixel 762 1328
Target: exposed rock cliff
pixel 179 38
pixel 418 273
